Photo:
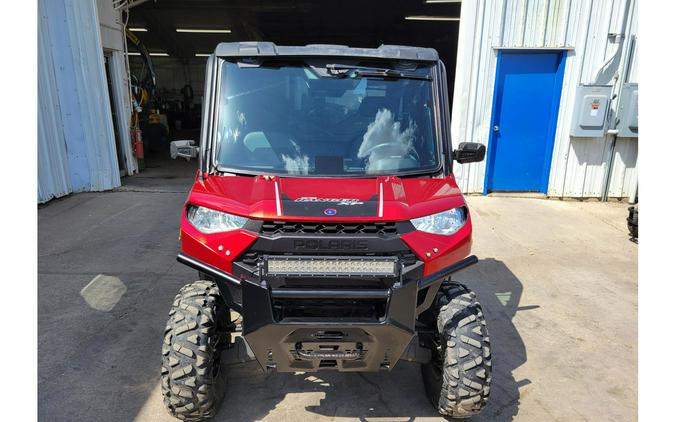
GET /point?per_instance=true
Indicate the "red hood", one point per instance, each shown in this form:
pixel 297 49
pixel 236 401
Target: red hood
pixel 385 198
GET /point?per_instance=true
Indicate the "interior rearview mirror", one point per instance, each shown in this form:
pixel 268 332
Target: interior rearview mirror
pixel 469 152
pixel 184 149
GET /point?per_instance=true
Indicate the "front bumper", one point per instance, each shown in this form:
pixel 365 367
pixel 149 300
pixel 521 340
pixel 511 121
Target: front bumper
pixel 308 344
pixel 296 343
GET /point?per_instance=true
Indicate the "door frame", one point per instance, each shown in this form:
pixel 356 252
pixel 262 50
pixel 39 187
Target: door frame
pixel 550 141
pixel 120 93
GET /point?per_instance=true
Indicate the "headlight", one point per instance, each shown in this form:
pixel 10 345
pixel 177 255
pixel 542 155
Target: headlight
pixel 207 220
pixel 446 222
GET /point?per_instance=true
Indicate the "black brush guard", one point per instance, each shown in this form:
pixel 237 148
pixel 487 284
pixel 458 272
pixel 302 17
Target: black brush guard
pixel 295 344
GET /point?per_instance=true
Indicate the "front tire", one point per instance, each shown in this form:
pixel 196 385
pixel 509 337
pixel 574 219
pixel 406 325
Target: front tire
pixel 457 379
pixel 632 222
pixel 193 381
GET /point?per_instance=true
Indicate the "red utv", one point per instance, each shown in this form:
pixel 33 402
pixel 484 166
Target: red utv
pixel 325 213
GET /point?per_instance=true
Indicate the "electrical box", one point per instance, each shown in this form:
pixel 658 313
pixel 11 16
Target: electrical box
pixel 627 115
pixel 590 110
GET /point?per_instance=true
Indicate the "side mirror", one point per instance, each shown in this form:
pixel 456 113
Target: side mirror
pixel 184 149
pixel 469 152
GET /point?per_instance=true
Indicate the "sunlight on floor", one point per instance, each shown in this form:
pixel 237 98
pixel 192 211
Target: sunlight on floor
pixel 103 292
pixel 153 408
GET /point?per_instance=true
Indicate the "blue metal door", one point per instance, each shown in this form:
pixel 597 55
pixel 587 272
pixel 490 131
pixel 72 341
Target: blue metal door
pixel 524 117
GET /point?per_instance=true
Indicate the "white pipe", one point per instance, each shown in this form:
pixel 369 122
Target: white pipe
pixel 607 177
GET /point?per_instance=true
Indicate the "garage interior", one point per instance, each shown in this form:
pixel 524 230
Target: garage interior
pixel 179 35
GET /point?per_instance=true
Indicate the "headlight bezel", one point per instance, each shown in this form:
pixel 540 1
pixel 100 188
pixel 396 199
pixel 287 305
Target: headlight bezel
pixel 209 221
pixel 445 223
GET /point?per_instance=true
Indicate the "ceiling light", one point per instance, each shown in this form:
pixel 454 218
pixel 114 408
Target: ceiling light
pixel 202 54
pixel 443 1
pixel 135 53
pixel 138 29
pixel 204 31
pixel 431 18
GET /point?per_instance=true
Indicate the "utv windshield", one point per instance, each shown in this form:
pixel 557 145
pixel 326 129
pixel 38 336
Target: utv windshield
pixel 325 119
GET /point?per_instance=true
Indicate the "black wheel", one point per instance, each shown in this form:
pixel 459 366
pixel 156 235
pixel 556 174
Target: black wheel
pixel 193 381
pixel 632 221
pixel 457 379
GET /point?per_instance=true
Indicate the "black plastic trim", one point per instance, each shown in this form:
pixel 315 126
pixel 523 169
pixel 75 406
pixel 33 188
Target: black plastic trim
pixel 306 244
pixel 330 294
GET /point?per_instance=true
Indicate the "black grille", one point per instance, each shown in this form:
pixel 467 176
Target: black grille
pixel 272 228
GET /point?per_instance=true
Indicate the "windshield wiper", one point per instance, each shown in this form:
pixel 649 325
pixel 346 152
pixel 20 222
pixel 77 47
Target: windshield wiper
pixel 342 71
pixel 388 73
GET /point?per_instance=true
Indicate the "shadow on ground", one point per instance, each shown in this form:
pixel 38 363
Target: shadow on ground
pixel 395 395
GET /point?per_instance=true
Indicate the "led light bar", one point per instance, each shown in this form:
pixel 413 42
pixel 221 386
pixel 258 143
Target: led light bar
pixel 138 29
pixel 332 267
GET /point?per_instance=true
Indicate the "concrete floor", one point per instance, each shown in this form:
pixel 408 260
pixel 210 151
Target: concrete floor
pixel 558 282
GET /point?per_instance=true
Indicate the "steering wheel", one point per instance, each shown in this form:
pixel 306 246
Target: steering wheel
pixel 412 151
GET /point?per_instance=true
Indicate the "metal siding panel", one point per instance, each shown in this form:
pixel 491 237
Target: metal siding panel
pixel 514 32
pixel 529 24
pixel 53 171
pixel 624 168
pixel 508 24
pixel 556 23
pixel 67 93
pixel 76 145
pixel 585 168
pixel 634 67
pixel 96 114
pixel 598 47
pixel 538 16
pixel 598 159
pixel 567 169
pixel 534 23
pixel 82 94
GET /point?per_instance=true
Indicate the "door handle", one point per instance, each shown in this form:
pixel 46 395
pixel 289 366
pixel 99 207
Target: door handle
pixel 495 128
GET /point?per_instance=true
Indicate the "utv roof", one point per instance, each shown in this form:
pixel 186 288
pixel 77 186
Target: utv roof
pixel 269 49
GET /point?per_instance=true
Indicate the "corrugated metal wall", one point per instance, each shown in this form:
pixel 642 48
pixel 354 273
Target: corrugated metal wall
pixel 579 165
pixel 53 170
pixel 76 144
